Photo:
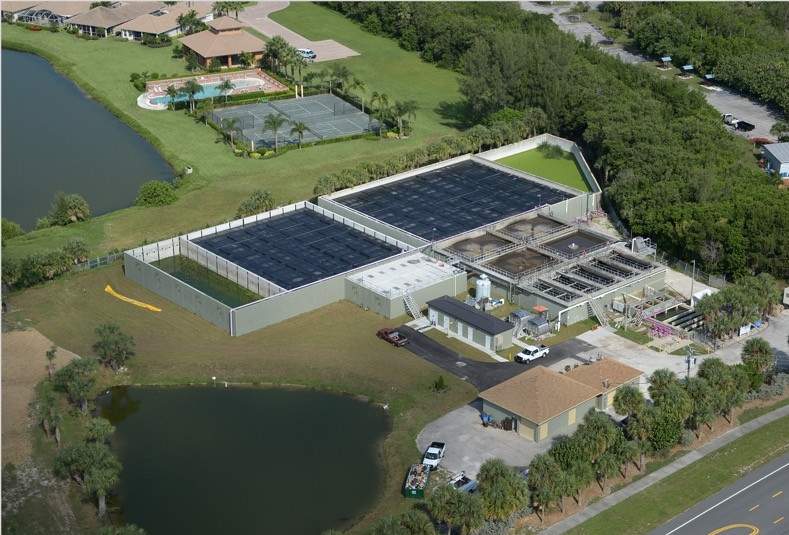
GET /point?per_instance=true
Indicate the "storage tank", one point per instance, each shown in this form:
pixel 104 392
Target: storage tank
pixel 483 287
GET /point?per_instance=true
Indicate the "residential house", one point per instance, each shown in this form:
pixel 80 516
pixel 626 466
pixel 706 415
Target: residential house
pixel 776 156
pixel 102 21
pixel 164 21
pixel 46 13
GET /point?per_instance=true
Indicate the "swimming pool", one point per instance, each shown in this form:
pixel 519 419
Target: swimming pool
pixel 209 90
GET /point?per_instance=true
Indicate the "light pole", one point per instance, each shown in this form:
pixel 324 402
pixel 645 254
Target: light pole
pixel 690 360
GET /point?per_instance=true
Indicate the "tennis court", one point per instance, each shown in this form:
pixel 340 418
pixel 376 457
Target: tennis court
pixel 325 116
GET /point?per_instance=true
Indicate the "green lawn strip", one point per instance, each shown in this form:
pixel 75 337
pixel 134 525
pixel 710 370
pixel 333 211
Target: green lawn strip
pixel 333 348
pixel 563 171
pixel 749 414
pixel 669 497
pixel 220 180
pixel 454 344
pixel 698 349
pixel 381 63
pixel 634 336
pixel 571 331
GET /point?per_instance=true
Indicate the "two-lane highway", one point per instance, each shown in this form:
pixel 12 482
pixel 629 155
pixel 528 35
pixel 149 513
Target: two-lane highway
pixel 757 504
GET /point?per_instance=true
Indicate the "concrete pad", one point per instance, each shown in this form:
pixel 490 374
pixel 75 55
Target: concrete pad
pixel 469 444
pixel 257 16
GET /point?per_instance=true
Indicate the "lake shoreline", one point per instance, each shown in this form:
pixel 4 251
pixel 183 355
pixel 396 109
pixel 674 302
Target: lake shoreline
pixel 63 68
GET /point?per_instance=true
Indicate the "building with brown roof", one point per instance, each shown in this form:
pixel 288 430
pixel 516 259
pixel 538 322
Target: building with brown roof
pixel 45 13
pixel 11 9
pixel 164 21
pixel 543 404
pixel 102 21
pixel 224 40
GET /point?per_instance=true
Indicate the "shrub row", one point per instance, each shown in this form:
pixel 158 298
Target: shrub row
pixel 475 139
pixel 40 267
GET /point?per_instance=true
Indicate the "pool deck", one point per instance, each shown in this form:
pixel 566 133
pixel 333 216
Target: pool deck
pixel 158 88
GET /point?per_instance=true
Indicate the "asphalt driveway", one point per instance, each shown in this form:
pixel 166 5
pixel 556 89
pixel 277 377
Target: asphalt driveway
pixel 483 375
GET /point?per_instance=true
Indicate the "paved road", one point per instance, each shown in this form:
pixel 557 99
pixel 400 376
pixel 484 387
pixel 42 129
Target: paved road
pixel 724 101
pixel 483 375
pixel 756 504
pixel 257 16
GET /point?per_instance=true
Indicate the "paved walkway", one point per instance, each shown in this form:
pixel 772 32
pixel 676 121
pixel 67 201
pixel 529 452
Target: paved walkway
pixel 723 100
pixel 257 16
pixel 657 475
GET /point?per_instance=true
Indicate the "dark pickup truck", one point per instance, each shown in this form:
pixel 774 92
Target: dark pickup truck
pixel 393 336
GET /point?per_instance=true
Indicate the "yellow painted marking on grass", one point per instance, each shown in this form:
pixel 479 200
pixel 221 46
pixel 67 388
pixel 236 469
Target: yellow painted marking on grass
pixel 134 302
pixel 754 529
pixel 778 493
pixel 778 520
pixel 754 508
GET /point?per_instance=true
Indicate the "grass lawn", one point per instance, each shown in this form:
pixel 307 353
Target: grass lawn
pixel 649 509
pixel 563 170
pixel 571 331
pixel 749 414
pixel 698 349
pixel 333 348
pixel 634 336
pixel 221 180
pixel 456 345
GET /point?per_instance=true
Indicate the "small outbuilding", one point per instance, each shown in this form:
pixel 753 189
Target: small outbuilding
pixel 224 40
pixel 542 403
pixel 469 324
pixel 776 156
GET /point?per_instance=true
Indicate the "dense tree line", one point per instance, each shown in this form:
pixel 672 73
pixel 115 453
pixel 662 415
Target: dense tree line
pixel 666 162
pixel 749 300
pixel 745 45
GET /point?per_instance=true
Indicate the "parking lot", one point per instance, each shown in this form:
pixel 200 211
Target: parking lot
pixel 469 444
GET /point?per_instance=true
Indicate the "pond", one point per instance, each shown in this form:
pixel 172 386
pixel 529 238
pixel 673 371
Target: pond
pixel 56 138
pixel 207 460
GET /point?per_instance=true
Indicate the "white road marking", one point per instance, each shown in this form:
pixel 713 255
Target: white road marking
pixel 726 500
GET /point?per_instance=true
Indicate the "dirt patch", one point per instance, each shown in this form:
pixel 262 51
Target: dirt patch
pixel 24 366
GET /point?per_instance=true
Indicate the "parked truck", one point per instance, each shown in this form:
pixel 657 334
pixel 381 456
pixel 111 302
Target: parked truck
pixel 433 454
pixel 530 353
pixel 737 124
pixel 463 483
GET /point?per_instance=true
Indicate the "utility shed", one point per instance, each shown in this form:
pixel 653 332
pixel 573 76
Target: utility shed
pixel 542 402
pixel 777 158
pixel 387 288
pixel 469 324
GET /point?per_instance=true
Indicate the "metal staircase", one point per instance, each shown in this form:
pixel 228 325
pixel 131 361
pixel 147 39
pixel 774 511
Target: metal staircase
pixel 597 310
pixel 411 306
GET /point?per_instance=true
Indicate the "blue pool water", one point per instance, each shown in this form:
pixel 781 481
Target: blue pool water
pixel 209 91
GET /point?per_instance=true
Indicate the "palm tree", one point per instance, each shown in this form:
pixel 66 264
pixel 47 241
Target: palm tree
pixel 401 110
pixel 246 59
pixel 51 354
pixel 275 51
pixel 274 122
pixel 299 62
pixel 206 107
pixel 340 74
pixel 358 85
pixel 225 88
pixel 230 127
pixel 187 22
pixel 172 93
pixel 607 465
pixel 381 102
pixel 100 480
pixel 299 128
pixel 191 88
pixel 780 130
